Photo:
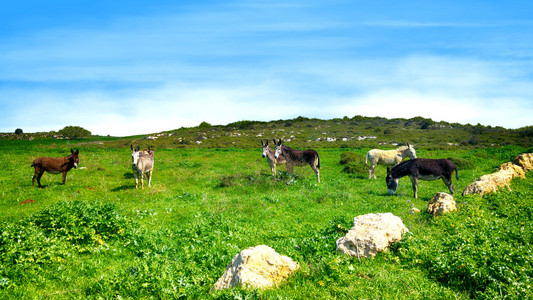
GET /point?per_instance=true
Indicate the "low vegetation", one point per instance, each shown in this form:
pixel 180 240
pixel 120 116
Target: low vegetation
pixel 98 237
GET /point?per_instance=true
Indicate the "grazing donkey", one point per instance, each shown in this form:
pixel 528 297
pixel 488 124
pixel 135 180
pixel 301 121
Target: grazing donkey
pixel 142 164
pixel 269 154
pixel 388 157
pixel 298 158
pixel 54 165
pixel 423 169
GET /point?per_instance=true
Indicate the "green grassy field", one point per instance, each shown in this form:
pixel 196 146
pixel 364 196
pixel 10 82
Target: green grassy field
pixel 99 237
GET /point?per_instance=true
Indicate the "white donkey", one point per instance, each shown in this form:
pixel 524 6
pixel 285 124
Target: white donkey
pixel 388 157
pixel 272 161
pixel 142 164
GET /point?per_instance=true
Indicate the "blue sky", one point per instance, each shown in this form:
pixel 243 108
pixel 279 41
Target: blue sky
pixel 138 67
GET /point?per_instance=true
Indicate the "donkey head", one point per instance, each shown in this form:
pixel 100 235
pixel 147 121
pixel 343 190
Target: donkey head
pixel 134 155
pixel 410 151
pixel 277 150
pixel 74 158
pixel 266 149
pixel 392 183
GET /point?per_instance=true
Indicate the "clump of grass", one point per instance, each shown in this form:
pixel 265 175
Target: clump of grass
pixel 462 164
pixel 354 163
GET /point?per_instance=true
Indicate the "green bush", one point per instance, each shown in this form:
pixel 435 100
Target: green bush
pixel 74 132
pixel 462 164
pixel 354 163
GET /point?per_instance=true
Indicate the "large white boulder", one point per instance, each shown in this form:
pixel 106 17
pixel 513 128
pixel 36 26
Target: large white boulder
pixel 370 234
pixel 257 267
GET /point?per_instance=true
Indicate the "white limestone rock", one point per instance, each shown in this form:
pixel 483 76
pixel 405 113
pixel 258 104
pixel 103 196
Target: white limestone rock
pixel 257 267
pixel 371 233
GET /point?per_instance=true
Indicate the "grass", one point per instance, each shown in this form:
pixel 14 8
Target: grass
pixel 98 236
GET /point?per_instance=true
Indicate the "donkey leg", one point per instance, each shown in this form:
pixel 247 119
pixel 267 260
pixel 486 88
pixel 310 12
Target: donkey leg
pixel 136 181
pixel 39 178
pixel 317 172
pixel 448 183
pixel 33 178
pixel 289 168
pixel 371 171
pixel 64 177
pixel 149 175
pixel 414 181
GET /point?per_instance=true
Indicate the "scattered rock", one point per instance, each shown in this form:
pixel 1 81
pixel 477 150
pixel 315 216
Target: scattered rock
pixel 258 268
pixel 414 210
pixel 525 161
pixel 440 204
pixel 371 233
pixel 502 178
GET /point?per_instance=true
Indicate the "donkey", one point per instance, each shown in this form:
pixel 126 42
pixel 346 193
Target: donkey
pixel 388 157
pixel 54 165
pixel 423 169
pixel 272 161
pixel 142 165
pixel 298 158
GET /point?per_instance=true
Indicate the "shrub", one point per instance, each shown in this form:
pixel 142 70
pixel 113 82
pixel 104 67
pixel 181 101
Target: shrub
pixel 204 125
pixel 74 132
pixel 462 164
pixel 354 163
pixel 80 222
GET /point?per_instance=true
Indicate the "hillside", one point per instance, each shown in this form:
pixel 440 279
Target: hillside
pixel 355 132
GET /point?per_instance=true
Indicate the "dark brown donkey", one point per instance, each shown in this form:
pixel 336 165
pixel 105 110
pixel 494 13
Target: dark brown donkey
pixel 54 165
pixel 423 169
pixel 298 158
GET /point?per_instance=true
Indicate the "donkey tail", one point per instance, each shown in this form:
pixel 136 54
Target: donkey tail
pixel 366 159
pixel 456 173
pixel 318 161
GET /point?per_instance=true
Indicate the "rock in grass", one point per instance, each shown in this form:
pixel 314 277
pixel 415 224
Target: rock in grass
pixel 257 267
pixel 492 182
pixel 440 204
pixel 525 161
pixel 370 234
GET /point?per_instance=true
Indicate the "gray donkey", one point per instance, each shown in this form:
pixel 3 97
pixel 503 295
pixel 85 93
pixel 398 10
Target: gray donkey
pixel 269 154
pixel 142 164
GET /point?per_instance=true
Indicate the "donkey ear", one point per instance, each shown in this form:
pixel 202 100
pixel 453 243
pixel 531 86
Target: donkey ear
pixel 77 152
pixel 71 151
pixel 131 147
pixel 388 170
pixel 138 148
pixel 262 144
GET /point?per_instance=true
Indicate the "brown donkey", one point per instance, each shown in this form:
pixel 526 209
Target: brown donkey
pixel 298 158
pixel 54 165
